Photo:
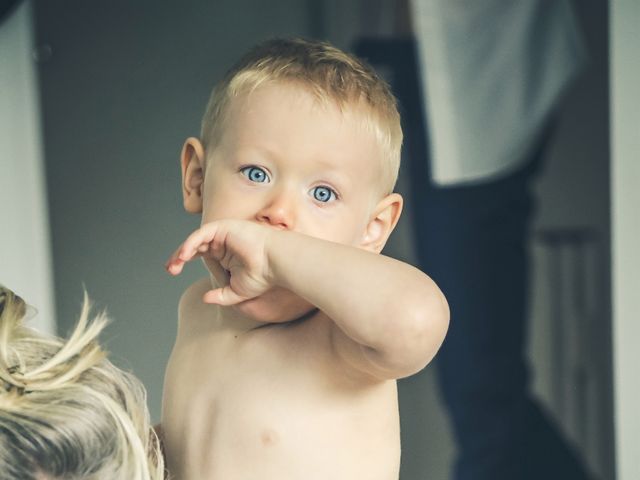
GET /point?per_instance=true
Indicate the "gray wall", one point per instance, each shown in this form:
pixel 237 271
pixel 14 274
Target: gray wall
pixel 25 256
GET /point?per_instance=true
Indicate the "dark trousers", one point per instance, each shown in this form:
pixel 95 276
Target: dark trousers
pixel 472 241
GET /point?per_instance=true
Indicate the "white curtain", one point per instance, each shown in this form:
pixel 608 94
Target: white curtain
pixel 25 252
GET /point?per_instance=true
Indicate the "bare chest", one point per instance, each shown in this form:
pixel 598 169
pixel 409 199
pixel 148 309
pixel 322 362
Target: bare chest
pixel 276 410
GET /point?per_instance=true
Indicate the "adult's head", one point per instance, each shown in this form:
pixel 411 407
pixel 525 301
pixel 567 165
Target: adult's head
pixel 66 412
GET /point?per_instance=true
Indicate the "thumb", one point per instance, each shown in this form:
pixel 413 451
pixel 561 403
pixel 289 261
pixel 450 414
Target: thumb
pixel 224 296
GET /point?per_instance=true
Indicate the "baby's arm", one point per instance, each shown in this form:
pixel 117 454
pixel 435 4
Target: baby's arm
pixel 392 318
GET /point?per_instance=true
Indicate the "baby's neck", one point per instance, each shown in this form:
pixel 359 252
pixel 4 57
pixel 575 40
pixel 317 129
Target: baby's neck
pixel 204 319
pixel 234 322
pixel 230 319
pixel 237 323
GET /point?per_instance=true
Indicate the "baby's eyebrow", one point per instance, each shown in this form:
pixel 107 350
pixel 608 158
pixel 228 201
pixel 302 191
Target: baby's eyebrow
pixel 245 155
pixel 253 151
pixel 335 176
pixel 332 165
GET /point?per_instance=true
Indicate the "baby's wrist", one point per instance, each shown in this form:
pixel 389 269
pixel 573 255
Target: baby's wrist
pixel 269 258
pixel 276 248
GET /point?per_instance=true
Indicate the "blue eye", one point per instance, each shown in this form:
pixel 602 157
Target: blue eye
pixel 323 194
pixel 255 174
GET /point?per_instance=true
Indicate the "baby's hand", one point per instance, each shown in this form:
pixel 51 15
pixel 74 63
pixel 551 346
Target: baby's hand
pixel 239 247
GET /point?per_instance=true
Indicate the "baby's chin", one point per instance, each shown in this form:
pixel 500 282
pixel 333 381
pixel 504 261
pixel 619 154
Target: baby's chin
pixel 278 305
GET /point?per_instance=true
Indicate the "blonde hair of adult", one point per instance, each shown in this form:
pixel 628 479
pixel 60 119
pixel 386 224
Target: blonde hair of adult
pixel 66 412
pixel 330 74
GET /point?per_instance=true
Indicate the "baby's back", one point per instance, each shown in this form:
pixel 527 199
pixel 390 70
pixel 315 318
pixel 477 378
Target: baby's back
pixel 274 403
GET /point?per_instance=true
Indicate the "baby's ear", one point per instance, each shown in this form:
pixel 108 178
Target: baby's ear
pixel 192 161
pixel 383 221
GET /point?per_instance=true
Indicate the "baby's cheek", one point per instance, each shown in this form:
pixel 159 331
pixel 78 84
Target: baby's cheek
pixel 345 233
pixel 214 209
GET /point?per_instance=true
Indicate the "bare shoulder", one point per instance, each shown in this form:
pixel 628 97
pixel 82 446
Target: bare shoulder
pixel 192 296
pixel 192 311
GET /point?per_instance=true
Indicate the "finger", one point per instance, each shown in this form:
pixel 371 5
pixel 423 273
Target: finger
pixel 224 296
pixel 174 264
pixel 176 267
pixel 200 238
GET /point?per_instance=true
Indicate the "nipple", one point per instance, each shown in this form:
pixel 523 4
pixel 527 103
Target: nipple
pixel 268 437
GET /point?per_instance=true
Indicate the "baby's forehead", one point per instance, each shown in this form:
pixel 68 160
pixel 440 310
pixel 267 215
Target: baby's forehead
pixel 282 102
pixel 298 94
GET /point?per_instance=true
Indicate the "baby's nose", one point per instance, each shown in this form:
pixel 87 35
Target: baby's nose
pixel 280 212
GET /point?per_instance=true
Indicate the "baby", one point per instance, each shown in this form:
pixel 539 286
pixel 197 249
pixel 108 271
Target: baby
pixel 286 356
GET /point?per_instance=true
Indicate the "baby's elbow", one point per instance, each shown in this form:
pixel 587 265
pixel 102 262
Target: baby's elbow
pixel 425 329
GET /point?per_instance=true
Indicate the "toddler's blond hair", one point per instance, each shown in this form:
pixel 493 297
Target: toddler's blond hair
pixel 330 74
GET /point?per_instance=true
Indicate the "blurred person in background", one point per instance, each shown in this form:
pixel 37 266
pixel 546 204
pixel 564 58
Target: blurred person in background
pixel 478 103
pixel 491 75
